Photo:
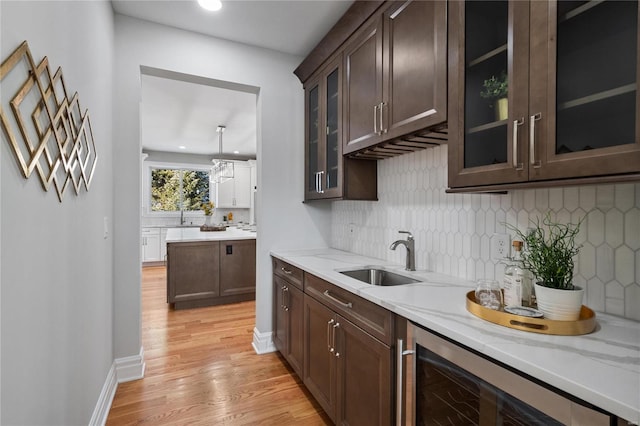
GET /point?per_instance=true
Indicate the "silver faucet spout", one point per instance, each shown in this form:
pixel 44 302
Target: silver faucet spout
pixel 409 243
pixel 181 217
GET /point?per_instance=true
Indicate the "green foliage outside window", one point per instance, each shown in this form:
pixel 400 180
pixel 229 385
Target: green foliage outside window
pixel 171 187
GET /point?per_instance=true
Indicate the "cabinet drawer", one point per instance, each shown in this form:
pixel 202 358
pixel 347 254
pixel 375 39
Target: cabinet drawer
pixel 372 318
pixel 288 272
pixel 150 231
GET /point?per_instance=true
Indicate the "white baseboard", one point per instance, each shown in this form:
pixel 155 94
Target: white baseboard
pixel 262 342
pixel 130 368
pixel 101 412
pixel 122 370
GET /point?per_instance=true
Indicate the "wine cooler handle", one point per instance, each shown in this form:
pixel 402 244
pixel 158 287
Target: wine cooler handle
pixel 400 353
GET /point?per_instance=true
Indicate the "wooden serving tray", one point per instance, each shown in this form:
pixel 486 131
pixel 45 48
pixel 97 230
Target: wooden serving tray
pixel 585 324
pixel 205 228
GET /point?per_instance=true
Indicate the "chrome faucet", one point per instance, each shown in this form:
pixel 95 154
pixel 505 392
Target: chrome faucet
pixel 181 217
pixel 409 243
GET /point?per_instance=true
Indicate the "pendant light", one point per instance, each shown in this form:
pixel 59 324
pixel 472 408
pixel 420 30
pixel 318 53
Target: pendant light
pixel 222 170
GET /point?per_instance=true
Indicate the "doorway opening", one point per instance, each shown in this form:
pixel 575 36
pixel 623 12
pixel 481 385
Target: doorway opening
pixel 180 138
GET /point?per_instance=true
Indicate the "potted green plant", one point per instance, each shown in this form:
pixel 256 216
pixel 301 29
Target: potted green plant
pixel 496 89
pixel 550 248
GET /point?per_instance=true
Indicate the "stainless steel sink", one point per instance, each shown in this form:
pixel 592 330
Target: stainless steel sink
pixel 376 276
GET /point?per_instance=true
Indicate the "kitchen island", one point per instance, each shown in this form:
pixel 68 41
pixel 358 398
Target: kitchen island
pixel 601 368
pixel 210 268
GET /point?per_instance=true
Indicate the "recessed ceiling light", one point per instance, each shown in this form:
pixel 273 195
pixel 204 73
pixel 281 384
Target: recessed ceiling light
pixel 211 5
pixel 182 147
pixel 236 152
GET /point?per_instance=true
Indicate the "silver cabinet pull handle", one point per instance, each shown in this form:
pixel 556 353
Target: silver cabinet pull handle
pixel 286 271
pixel 320 190
pixel 516 124
pixel 383 129
pixel 532 139
pixel 282 297
pixel 317 181
pixel 335 352
pixel 400 353
pixel 329 334
pixel 375 119
pixel 285 298
pixel 335 299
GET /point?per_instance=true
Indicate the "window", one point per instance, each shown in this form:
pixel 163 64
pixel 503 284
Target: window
pixel 173 189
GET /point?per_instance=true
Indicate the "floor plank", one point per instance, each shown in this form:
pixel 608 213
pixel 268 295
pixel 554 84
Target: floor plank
pixel 202 370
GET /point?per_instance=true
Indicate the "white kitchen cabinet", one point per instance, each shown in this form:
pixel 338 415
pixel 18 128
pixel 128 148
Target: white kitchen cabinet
pixel 151 245
pixel 163 244
pixel 236 192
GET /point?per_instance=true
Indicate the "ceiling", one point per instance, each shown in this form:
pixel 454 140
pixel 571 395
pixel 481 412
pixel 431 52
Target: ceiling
pixel 293 27
pixel 179 112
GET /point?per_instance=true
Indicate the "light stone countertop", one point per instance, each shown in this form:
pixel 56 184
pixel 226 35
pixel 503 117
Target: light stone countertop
pixel 176 235
pixel 602 368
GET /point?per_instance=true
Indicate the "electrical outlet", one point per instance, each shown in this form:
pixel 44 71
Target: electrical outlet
pixel 499 246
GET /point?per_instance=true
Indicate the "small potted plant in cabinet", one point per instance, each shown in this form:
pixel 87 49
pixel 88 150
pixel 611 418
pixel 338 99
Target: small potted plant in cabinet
pixel 495 89
pixel 550 248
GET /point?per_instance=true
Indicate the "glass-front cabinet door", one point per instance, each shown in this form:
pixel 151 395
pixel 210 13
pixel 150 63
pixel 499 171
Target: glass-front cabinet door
pixel 312 152
pixel 333 142
pixel 488 91
pixel 583 114
pixel 323 134
pixel 542 90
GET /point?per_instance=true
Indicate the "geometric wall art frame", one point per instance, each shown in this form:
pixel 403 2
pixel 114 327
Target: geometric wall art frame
pixel 46 129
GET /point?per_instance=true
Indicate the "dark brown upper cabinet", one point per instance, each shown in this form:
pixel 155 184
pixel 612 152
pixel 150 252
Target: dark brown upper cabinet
pixel 395 74
pixel 571 69
pixel 327 174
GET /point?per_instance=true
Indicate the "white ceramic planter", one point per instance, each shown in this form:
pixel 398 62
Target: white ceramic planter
pixel 559 305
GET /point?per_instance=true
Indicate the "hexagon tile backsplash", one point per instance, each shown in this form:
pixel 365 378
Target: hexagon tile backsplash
pixel 453 231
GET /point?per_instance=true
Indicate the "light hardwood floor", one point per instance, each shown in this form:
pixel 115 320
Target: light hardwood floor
pixel 202 370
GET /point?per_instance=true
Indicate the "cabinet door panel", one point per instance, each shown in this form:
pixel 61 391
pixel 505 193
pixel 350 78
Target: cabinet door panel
pixel 415 78
pixel 280 316
pixel 237 267
pixel 364 377
pixel 312 146
pixel 295 349
pixel 242 187
pixel 225 193
pixel 333 140
pixel 587 85
pixel 193 271
pixel 319 364
pixel 151 247
pixel 363 89
pixel 487 40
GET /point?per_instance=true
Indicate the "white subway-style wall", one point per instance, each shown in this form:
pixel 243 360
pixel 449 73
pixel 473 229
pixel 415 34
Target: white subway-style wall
pixel 453 231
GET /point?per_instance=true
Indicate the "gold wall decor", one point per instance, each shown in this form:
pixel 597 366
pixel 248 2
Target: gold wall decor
pixel 46 129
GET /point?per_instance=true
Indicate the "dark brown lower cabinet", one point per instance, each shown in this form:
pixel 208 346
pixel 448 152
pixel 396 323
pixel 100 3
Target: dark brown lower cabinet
pixel 288 335
pixel 346 369
pixel 237 267
pixel 207 273
pixel 193 271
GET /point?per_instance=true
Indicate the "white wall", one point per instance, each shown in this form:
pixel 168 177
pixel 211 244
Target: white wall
pixel 56 275
pixel 283 219
pixel 453 231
